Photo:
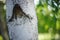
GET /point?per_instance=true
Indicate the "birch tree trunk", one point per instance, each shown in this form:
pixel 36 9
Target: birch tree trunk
pixel 25 27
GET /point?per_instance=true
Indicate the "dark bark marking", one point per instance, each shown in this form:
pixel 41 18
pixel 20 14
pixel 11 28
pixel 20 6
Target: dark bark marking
pixel 17 11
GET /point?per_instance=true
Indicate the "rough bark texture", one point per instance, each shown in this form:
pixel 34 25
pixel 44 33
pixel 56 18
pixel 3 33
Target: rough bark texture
pixel 22 28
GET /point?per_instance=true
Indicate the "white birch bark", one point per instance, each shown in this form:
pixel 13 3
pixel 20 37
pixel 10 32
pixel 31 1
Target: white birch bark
pixel 22 28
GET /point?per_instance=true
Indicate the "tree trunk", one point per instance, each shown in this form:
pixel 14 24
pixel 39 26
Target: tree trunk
pixel 21 20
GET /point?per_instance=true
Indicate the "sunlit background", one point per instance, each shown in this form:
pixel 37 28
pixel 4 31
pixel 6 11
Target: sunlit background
pixel 48 14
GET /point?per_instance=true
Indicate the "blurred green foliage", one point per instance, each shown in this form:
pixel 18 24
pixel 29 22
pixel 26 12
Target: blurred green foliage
pixel 2 15
pixel 48 13
pixel 1 37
